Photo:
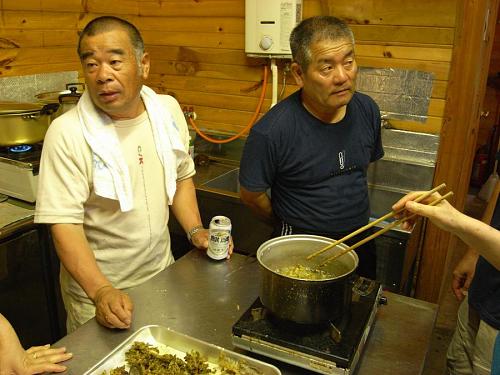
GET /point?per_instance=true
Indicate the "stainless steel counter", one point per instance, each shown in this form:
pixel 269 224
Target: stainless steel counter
pixel 17 216
pixel 204 298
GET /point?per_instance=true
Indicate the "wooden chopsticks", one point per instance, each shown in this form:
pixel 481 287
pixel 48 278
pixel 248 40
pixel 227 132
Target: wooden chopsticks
pixel 375 222
pixel 385 229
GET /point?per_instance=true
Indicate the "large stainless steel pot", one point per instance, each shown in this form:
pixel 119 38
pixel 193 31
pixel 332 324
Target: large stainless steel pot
pixel 24 123
pixel 305 301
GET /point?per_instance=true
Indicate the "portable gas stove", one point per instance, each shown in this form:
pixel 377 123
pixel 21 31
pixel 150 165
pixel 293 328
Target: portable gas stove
pixel 326 349
pixel 19 171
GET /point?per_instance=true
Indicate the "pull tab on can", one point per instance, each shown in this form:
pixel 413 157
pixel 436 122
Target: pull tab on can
pixel 219 237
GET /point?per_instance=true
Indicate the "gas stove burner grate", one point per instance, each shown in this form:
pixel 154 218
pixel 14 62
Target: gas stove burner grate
pixel 20 148
pixel 26 156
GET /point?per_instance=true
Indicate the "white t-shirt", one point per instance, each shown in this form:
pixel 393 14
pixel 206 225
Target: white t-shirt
pixel 130 247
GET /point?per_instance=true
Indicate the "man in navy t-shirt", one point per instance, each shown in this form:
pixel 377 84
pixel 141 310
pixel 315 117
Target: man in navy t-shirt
pixel 312 150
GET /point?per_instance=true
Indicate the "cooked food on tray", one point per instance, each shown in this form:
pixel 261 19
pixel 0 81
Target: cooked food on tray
pixel 149 360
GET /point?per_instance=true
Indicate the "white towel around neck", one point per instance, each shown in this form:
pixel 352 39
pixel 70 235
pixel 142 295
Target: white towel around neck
pixel 111 177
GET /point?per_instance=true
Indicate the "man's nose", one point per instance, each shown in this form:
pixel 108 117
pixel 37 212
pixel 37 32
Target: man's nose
pixel 340 74
pixel 104 74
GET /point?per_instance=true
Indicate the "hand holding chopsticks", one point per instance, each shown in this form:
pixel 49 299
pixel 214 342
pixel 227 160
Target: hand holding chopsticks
pixel 385 229
pixel 373 223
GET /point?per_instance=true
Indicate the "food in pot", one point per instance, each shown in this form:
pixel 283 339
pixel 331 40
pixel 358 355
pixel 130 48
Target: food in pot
pixel 299 271
pixel 304 301
pixel 148 358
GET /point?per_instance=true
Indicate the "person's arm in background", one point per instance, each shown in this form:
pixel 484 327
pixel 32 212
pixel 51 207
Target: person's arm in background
pixel 37 359
pixel 482 237
pixel 185 209
pixel 259 203
pixel 113 307
pixel 464 271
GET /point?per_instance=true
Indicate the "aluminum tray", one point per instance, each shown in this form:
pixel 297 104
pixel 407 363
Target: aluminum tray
pixel 169 341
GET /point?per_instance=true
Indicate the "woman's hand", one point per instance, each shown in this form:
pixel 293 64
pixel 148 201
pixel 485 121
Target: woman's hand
pixel 444 215
pixel 36 360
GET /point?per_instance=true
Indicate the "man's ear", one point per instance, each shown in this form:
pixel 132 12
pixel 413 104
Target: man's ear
pixel 297 74
pixel 145 65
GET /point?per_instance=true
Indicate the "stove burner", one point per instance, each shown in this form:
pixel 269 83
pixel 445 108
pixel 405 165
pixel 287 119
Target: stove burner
pixel 336 344
pixel 22 156
pixel 20 148
pixel 333 328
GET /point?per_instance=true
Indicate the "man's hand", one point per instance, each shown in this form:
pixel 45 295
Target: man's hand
pixel 200 241
pixel 113 308
pixel 463 274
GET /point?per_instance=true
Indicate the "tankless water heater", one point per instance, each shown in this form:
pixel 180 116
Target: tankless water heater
pixel 268 24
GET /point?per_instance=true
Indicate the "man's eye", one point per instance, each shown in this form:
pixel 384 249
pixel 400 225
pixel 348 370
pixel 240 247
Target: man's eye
pixel 115 62
pixel 90 65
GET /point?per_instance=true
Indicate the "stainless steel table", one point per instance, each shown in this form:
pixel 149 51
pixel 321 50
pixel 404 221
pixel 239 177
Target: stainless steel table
pixel 204 298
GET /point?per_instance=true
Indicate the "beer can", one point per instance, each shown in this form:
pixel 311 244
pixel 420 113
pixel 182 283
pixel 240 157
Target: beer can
pixel 219 237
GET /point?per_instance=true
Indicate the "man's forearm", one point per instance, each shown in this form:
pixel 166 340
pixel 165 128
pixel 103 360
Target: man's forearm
pixel 77 258
pixel 185 205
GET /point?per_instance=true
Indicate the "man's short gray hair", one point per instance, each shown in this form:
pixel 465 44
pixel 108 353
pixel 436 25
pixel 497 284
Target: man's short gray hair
pixel 316 29
pixel 108 23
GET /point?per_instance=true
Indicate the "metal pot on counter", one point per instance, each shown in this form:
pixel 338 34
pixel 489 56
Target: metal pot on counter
pixel 24 123
pixel 305 300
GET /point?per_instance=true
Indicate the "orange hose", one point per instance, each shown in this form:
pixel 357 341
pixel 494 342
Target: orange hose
pixel 252 120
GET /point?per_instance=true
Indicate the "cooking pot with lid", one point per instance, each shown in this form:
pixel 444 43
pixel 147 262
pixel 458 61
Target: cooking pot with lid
pixel 299 299
pixel 66 99
pixel 24 123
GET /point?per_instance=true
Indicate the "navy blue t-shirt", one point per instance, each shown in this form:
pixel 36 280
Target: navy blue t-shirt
pixel 316 171
pixel 484 291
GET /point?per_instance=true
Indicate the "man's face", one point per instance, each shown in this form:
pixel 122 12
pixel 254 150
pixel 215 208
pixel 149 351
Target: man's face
pixel 329 82
pixel 112 73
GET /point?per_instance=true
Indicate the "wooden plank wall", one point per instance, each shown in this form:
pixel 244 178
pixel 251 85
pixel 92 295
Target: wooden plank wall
pixel 197 47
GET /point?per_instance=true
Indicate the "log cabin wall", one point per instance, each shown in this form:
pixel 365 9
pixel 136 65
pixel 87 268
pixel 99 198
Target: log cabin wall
pixel 197 50
pixel 197 47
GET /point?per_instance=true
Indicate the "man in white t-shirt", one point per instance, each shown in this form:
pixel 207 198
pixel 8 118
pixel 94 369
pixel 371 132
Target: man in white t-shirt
pixel 110 168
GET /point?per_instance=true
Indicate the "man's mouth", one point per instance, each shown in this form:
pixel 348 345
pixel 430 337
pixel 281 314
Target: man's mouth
pixel 343 91
pixel 108 96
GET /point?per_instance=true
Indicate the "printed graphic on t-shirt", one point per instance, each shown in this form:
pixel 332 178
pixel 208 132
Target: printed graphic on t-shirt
pixel 97 161
pixel 140 155
pixel 341 159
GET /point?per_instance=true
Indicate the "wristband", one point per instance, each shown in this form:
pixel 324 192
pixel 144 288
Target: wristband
pixel 193 231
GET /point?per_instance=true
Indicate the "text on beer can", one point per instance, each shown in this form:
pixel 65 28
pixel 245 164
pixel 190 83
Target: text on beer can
pixel 219 237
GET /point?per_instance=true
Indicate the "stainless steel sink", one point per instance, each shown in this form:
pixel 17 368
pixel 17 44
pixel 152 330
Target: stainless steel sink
pixel 228 181
pixel 381 198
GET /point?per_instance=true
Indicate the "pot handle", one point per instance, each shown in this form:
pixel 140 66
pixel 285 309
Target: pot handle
pixel 73 95
pixel 69 86
pixel 49 108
